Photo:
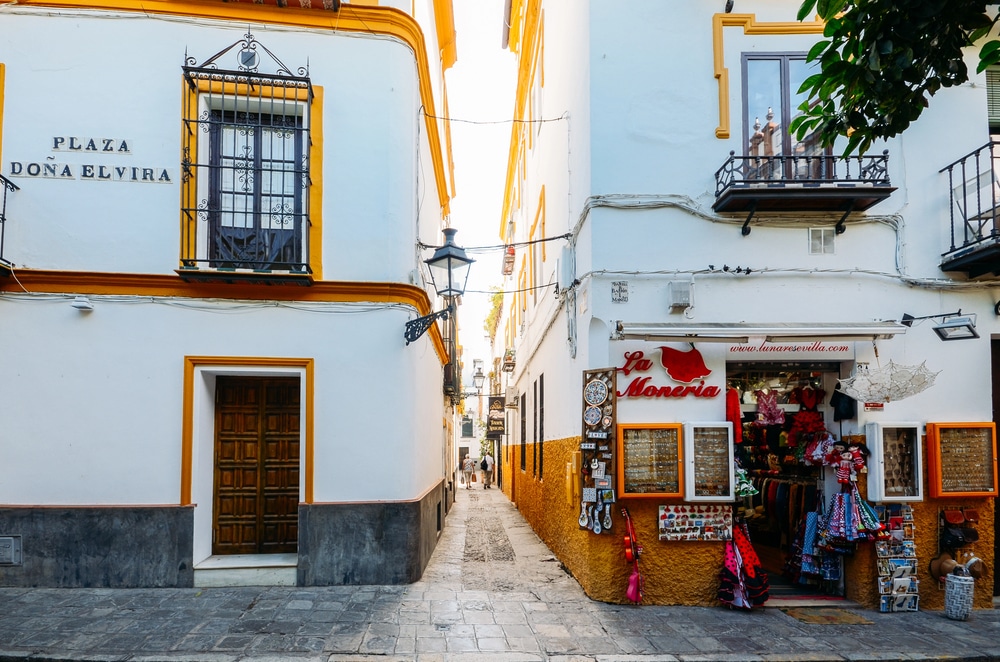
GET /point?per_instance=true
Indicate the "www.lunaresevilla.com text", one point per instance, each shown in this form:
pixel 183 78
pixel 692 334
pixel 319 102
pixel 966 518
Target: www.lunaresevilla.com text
pixel 51 168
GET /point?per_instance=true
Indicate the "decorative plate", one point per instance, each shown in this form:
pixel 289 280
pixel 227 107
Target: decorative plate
pixel 592 416
pixel 607 421
pixel 595 392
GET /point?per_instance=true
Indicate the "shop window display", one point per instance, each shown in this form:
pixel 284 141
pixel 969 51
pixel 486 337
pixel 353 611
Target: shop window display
pixel 785 437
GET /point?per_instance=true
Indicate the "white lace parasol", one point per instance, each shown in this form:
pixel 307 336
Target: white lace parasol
pixel 889 383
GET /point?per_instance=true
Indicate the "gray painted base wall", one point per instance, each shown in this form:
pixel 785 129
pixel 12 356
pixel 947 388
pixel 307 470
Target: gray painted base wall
pixel 369 543
pixel 152 547
pixel 112 547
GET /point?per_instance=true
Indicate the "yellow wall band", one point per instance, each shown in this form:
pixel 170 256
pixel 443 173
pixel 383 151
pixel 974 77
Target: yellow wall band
pixel 154 285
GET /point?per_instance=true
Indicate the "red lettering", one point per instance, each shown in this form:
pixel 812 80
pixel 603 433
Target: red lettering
pixel 635 361
pixel 635 388
pixel 641 388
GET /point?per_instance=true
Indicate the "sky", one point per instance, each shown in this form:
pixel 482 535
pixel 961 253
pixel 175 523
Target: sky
pixel 481 88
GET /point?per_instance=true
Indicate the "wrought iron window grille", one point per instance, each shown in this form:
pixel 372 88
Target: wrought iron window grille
pixel 245 168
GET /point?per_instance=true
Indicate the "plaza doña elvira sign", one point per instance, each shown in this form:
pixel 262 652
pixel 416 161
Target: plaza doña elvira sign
pixel 684 366
pixel 95 168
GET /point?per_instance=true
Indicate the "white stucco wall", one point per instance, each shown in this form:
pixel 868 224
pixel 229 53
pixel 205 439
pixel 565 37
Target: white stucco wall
pixel 643 103
pixel 92 403
pixel 370 131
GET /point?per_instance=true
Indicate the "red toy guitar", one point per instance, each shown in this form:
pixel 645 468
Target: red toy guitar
pixel 632 552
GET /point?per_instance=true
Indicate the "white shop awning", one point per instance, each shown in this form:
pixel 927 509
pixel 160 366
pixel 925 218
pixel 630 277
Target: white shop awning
pixel 745 332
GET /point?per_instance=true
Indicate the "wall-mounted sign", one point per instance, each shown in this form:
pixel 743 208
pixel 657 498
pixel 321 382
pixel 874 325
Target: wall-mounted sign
pixel 685 366
pixel 495 417
pixel 50 168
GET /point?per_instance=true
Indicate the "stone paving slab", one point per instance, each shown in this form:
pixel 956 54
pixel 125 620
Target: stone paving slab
pixel 491 593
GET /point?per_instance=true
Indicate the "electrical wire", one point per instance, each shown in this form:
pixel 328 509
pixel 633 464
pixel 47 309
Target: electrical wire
pixel 500 247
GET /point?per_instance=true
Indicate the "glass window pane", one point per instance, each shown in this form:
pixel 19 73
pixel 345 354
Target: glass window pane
pixel 763 90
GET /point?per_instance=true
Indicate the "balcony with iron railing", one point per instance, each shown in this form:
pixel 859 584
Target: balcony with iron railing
pixel 6 186
pixel 974 213
pixel 800 183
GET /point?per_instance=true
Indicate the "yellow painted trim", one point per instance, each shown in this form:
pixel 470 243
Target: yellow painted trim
pixel 152 285
pixel 316 185
pixel 187 423
pixel 448 145
pixel 444 21
pixel 750 26
pixel 524 39
pixel 250 91
pixel 189 186
pixel 350 18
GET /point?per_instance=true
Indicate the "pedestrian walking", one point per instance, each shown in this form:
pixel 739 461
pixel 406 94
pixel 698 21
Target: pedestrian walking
pixel 468 467
pixel 487 467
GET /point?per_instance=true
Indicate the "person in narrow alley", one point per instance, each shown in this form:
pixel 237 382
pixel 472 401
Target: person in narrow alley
pixel 468 467
pixel 487 467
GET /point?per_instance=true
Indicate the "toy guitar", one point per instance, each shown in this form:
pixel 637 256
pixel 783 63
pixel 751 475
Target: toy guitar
pixel 636 583
pixel 632 548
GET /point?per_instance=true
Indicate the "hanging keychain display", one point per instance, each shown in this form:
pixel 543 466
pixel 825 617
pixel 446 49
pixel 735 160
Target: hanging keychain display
pixel 597 490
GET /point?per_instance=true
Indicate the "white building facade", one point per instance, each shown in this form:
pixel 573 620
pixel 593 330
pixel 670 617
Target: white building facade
pixel 214 234
pixel 667 230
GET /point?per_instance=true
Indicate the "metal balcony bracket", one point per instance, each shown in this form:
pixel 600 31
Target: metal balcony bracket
pixel 746 224
pixel 840 227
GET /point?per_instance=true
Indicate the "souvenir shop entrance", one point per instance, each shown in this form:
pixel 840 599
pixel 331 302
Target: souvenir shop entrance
pixel 788 425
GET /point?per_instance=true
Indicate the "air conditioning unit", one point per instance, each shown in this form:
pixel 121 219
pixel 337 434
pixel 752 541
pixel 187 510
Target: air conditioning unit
pixel 511 399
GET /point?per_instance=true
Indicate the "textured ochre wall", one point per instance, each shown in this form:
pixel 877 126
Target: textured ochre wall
pixel 686 573
pixel 675 573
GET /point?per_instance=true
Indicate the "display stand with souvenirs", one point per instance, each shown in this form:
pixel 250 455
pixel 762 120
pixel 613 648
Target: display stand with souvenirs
pixel 899 588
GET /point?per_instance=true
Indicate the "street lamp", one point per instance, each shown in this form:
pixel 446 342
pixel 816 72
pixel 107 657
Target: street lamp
pixel 449 267
pixel 478 379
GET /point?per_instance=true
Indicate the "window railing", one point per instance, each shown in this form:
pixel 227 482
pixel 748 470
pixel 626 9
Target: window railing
pixel 816 170
pixel 6 186
pixel 974 197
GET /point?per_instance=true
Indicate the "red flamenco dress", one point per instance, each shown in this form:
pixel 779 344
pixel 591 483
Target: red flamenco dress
pixel 743 583
pixel 808 421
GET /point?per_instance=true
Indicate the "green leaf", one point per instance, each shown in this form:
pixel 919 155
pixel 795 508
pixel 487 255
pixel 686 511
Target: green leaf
pixel 805 9
pixel 817 50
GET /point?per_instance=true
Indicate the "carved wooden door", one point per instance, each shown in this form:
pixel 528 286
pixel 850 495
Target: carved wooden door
pixel 256 465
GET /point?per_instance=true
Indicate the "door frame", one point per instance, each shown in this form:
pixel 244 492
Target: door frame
pixel 198 431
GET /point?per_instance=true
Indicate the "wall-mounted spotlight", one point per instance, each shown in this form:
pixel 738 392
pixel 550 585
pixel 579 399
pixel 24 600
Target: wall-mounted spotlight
pixel 953 326
pixel 729 6
pixel 83 304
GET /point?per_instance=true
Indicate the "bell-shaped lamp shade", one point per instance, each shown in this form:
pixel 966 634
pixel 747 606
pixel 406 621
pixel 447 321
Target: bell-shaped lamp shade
pixel 449 267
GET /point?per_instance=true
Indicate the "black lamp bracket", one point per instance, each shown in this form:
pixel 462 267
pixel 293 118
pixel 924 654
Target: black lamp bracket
pixel 418 327
pixel 908 319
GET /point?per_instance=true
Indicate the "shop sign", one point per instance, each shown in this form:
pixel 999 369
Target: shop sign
pixel 495 417
pixel 874 406
pixel 806 349
pixel 687 367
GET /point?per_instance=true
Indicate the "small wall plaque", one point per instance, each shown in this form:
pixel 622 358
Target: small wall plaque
pixel 10 550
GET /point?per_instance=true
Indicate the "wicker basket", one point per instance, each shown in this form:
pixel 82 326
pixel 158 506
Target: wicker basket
pixel 958 593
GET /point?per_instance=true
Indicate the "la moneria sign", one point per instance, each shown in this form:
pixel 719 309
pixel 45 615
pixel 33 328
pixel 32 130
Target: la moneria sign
pixel 687 367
